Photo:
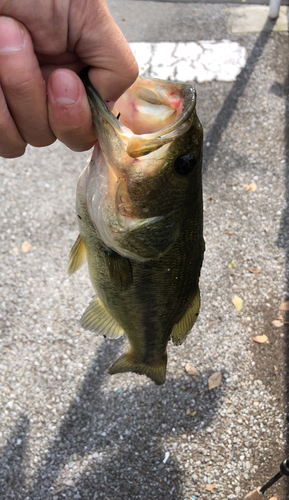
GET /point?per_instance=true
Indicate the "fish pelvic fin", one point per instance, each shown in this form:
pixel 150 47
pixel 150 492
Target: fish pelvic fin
pixel 77 256
pixel 181 329
pixel 96 318
pixel 155 371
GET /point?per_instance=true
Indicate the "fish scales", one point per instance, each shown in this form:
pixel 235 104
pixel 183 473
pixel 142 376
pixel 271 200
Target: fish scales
pixel 140 215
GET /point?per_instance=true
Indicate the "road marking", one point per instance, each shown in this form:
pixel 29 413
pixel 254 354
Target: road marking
pixel 254 19
pixel 202 61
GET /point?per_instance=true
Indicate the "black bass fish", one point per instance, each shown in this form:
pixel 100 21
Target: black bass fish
pixel 140 216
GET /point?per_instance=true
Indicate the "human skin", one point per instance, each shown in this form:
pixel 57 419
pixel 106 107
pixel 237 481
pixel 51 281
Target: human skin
pixel 44 44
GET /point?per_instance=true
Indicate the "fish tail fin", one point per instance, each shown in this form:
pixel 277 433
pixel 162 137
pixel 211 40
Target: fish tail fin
pixel 155 371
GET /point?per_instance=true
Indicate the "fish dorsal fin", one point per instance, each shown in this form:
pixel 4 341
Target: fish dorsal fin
pixel 97 319
pixel 182 328
pixel 120 270
pixel 77 256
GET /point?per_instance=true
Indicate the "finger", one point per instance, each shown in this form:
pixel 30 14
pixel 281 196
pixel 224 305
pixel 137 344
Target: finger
pixel 12 144
pixel 22 83
pixel 69 111
pixel 102 46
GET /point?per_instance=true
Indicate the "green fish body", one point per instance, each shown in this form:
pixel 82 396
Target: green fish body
pixel 140 215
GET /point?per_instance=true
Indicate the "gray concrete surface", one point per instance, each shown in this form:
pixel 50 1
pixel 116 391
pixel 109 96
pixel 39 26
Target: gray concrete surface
pixel 258 2
pixel 68 430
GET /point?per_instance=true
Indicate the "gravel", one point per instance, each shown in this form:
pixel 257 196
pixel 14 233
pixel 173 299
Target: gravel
pixel 68 429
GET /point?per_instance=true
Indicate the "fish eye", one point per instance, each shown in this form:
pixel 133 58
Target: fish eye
pixel 184 164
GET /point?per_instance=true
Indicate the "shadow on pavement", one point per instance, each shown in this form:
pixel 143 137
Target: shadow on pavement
pixel 12 472
pixel 116 462
pixel 221 122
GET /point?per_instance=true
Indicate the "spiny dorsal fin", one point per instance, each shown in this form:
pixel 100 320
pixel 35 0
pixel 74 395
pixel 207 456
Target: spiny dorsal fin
pixel 97 319
pixel 155 371
pixel 77 256
pixel 182 328
pixel 120 270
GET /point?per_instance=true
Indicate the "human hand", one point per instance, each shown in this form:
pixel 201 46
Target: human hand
pixel 43 45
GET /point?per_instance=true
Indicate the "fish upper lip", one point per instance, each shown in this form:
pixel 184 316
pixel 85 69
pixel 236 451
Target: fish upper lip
pixel 97 104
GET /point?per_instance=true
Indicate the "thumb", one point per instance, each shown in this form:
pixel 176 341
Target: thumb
pixel 102 46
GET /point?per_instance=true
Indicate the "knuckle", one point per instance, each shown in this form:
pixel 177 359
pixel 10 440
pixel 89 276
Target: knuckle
pixel 15 152
pixel 43 141
pixel 77 146
pixel 134 70
pixel 12 144
pixel 22 85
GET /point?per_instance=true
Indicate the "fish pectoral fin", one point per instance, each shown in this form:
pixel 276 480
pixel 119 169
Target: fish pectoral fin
pixel 155 371
pixel 77 256
pixel 152 237
pixel 96 318
pixel 120 270
pixel 181 329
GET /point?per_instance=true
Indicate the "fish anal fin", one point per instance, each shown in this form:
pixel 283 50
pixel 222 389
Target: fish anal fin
pixel 181 329
pixel 120 270
pixel 96 318
pixel 77 256
pixel 155 371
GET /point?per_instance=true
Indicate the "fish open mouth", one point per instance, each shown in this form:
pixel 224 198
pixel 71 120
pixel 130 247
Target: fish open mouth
pixel 145 111
pixel 155 116
pixel 146 118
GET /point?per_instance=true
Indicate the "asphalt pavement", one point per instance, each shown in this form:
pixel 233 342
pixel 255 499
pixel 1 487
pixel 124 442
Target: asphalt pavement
pixel 68 429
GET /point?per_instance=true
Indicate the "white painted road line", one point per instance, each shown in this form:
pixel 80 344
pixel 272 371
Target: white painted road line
pixel 191 61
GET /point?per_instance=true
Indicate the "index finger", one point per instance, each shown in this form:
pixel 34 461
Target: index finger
pixel 103 47
pixel 22 83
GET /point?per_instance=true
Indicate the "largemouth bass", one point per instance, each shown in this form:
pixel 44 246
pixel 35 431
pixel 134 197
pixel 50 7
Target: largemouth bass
pixel 140 216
